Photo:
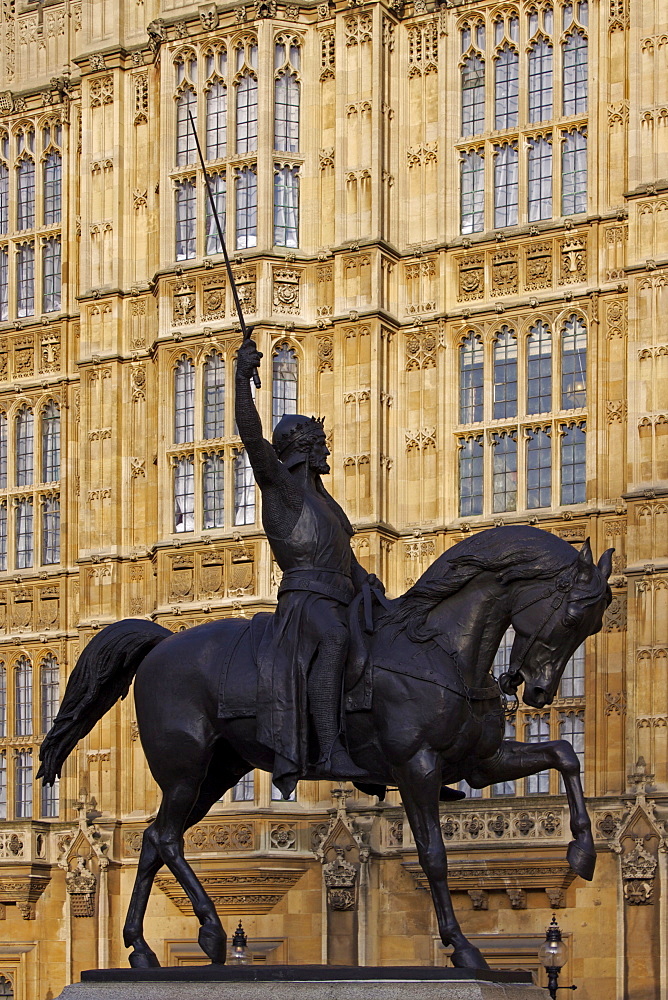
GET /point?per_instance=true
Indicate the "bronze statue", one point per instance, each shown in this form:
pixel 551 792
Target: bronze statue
pixel 422 707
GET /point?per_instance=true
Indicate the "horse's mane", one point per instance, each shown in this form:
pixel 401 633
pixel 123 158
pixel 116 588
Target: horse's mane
pixel 512 552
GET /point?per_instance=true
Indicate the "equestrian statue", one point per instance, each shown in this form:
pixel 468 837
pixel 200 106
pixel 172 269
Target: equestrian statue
pixel 340 682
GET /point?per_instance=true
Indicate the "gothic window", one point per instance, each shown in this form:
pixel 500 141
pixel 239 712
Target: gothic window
pixel 216 104
pixel 246 97
pixel 24 447
pixel 4 197
pixel 52 172
pixel 218 186
pixel 284 382
pixel 51 275
pixel 6 988
pixel 244 489
pixel 50 800
pixel 539 468
pixel 214 396
pixel 186 219
pixel 184 495
pixel 23 697
pixel 573 463
pixel 24 533
pixel 576 72
pixel 473 95
pixel 23 786
pixel 539 369
pixel 184 401
pixel 25 280
pixel 471 380
pixel 244 790
pixel 50 691
pixel 470 476
pixel 506 88
pixel 538 731
pixel 286 206
pixel 472 192
pixel 3 535
pixel 50 531
pixel 572 728
pixel 286 95
pixel 3 792
pixel 506 787
pixel 25 194
pixel 573 364
pixel 246 221
pixel 505 374
pixel 574 173
pixel 186 147
pixel 4 283
pixel 573 678
pixel 50 443
pixel 506 194
pixel 539 163
pixel 540 81
pixel 213 491
pixel 3 450
pixel 3 699
pixel 504 485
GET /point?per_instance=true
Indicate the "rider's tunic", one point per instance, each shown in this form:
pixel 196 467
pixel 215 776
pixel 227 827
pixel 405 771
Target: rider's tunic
pixel 314 593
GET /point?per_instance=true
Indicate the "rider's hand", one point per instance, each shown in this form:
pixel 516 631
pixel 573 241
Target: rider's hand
pixel 373 581
pixel 248 359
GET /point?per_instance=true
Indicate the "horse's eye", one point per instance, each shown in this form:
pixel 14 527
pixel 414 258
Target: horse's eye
pixel 570 621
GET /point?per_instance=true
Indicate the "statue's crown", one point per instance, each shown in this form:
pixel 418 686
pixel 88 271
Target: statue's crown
pixel 295 431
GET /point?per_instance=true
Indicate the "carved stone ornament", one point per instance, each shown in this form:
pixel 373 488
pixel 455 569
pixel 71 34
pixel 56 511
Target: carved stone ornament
pixel 638 871
pixel 80 885
pixel 340 881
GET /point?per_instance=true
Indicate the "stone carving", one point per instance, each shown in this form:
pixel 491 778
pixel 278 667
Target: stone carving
pixel 209 17
pixel 615 703
pixel 479 898
pixel 421 351
pixel 638 871
pixel 286 290
pixel 358 28
pixel 471 277
pixel 325 354
pixel 140 82
pixel 518 898
pixel 573 260
pixel 183 304
pixel 157 34
pixel 616 316
pixel 101 91
pixel 283 837
pixel 615 411
pixel 326 157
pixel 245 279
pixel 340 881
pixel 50 351
pixel 614 619
pixel 213 297
pixel 80 884
pixel 138 379
pixel 505 271
pixel 557 898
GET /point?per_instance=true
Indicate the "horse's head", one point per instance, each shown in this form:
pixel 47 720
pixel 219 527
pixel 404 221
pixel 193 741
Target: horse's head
pixel 551 618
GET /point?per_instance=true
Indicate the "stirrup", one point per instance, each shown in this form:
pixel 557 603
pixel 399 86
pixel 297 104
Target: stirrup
pixel 337 763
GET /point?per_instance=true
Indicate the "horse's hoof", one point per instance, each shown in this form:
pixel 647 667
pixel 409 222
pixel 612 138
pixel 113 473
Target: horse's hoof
pixel 144 960
pixel 468 957
pixel 213 942
pixel 582 863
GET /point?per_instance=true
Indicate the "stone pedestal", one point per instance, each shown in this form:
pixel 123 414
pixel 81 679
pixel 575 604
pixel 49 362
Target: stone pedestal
pixel 301 983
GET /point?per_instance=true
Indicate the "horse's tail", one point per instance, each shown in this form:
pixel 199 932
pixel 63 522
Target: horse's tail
pixel 102 675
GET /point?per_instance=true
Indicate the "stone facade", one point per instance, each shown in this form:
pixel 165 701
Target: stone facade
pixel 374 295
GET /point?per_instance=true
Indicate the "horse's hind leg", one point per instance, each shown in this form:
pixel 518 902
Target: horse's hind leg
pixel 419 783
pixel 150 863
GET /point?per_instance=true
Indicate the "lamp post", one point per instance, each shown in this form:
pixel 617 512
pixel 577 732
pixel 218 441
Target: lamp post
pixel 553 955
pixel 239 953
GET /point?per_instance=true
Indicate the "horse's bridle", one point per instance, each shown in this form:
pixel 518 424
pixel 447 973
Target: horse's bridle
pixel 510 681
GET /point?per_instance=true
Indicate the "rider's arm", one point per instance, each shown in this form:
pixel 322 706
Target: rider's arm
pixel 266 466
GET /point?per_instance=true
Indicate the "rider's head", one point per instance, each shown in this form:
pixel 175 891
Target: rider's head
pixel 298 439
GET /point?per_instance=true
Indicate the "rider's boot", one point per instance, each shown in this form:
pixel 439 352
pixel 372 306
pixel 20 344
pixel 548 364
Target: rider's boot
pixel 324 689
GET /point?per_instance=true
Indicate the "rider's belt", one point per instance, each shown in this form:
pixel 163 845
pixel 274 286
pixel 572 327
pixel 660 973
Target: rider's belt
pixel 303 580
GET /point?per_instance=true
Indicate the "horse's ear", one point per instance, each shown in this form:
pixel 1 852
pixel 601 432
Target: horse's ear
pixel 585 558
pixel 605 563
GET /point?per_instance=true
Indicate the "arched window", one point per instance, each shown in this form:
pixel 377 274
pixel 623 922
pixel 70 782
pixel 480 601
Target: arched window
pixel 23 697
pixel 244 489
pixel 213 491
pixel 539 468
pixel 244 790
pixel 3 535
pixel 286 96
pixel 218 187
pixel 247 113
pixel 186 147
pixel 49 691
pixel 506 88
pixel 573 463
pixel 3 787
pixel 540 82
pixel 246 217
pixel 51 179
pixel 6 988
pixel 576 73
pixel 23 785
pixel 25 194
pixel 3 699
pixel 574 173
pixel 473 95
pixel 186 220
pixel 184 401
pixel 50 531
pixel 505 374
pixel 3 450
pixel 573 678
pixel 539 369
pixel 214 396
pixel 284 382
pixel 538 731
pixel 50 800
pixel 472 192
pixel 573 364
pixel 216 120
pixel 4 283
pixel 51 443
pixel 504 468
pixel 184 495
pixel 51 274
pixel 539 159
pixel 25 280
pixel 286 206
pixel 471 380
pixel 506 185
pixel 470 476
pixel 24 447
pixel 4 198
pixel 25 543
pixel 572 728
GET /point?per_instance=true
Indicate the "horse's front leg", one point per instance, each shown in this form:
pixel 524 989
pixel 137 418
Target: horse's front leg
pixel 518 760
pixel 419 783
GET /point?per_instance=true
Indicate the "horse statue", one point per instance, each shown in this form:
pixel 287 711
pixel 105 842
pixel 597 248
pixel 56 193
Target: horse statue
pixel 436 714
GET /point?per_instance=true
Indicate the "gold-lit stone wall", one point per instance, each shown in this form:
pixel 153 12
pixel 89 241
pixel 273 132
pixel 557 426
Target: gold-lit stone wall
pixel 375 301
